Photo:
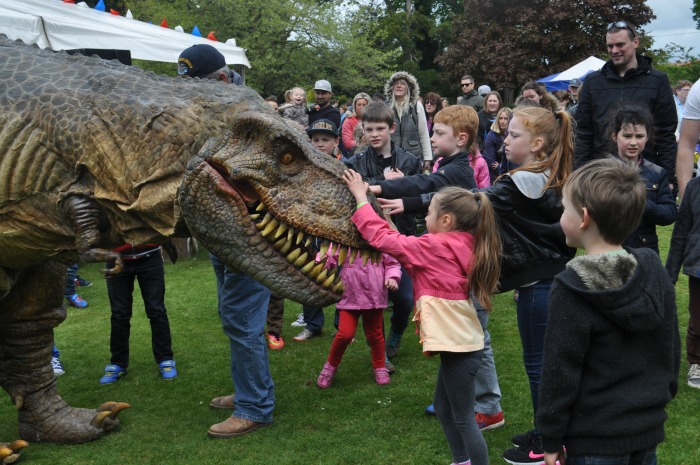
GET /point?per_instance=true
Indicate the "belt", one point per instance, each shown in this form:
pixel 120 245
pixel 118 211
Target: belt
pixel 140 255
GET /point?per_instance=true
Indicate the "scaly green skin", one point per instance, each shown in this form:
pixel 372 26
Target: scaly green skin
pixel 94 154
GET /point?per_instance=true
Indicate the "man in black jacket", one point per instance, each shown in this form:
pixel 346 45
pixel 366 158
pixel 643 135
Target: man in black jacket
pixel 627 76
pixel 323 109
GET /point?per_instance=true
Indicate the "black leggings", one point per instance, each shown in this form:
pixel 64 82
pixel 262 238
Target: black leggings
pixel 454 406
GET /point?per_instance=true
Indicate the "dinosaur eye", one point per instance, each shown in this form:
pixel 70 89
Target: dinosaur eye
pixel 287 158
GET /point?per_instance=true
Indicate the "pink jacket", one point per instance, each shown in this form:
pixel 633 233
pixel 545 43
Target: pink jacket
pixel 438 265
pixel 364 285
pixel 348 130
pixel 481 170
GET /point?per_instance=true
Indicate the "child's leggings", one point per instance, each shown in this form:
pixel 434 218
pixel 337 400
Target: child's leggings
pixel 372 323
pixel 454 406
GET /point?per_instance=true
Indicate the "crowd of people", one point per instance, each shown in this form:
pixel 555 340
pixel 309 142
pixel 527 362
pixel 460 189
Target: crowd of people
pixel 481 198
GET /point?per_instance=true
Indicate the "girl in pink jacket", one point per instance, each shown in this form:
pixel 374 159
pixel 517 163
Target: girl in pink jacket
pixel 460 253
pixel 366 296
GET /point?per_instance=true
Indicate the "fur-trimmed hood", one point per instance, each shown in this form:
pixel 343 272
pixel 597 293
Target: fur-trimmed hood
pixel 413 87
pixel 622 287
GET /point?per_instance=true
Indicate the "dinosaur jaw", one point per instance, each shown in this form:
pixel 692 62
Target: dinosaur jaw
pixel 258 242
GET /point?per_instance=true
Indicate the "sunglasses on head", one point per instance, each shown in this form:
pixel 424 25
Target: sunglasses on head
pixel 623 25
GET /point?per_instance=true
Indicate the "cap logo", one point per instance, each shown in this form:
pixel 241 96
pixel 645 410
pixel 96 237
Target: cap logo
pixel 323 125
pixel 183 66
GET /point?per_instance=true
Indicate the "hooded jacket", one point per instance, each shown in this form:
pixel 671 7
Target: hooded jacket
pixel 605 89
pixel 411 133
pixel 611 355
pixel 438 265
pixel 472 99
pixel 685 241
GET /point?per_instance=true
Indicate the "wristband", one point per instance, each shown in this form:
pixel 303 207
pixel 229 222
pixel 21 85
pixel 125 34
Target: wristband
pixel 360 205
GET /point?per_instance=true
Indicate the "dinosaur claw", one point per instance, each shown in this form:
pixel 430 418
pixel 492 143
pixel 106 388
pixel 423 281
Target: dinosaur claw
pixel 18 444
pixel 107 406
pixel 118 408
pixel 5 452
pixel 99 419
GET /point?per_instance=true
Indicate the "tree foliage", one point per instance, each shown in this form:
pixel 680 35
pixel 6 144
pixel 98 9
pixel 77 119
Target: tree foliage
pixel 696 12
pixel 505 43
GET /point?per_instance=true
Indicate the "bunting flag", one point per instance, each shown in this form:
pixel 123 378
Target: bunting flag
pixel 211 36
pixel 100 6
pixel 129 15
pixel 69 1
pixel 179 28
pixel 114 12
pixel 163 23
pixel 195 31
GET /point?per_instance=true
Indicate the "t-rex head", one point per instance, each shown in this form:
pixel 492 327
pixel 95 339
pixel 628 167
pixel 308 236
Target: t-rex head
pixel 261 198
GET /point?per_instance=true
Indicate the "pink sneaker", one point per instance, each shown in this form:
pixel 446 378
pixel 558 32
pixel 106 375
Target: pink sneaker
pixel 325 378
pixel 382 376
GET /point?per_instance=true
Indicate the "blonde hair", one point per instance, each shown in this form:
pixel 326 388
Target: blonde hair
pixel 495 127
pixel 291 91
pixel 473 213
pixel 557 152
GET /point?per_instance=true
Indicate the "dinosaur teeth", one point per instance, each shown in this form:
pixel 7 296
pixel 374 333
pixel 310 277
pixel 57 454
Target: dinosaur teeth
pixel 300 237
pixel 324 248
pixel 281 230
pixel 308 267
pixel 353 255
pixel 329 282
pixel 301 260
pixel 308 241
pixel 316 270
pixel 287 245
pixel 271 226
pixel 342 255
pixel 260 207
pixel 268 217
pixel 338 287
pixel 322 276
pixel 255 216
pixel 290 234
pixel 292 257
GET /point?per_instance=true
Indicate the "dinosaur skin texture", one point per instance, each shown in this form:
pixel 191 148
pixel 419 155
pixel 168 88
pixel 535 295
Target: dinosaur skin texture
pixel 94 154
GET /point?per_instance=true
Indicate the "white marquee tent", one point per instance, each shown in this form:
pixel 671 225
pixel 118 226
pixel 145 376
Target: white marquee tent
pixel 64 26
pixel 560 81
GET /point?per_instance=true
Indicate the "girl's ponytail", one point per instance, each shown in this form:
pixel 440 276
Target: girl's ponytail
pixel 486 267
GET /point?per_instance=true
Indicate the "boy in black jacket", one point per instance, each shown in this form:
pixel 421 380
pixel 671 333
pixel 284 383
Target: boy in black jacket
pixel 612 347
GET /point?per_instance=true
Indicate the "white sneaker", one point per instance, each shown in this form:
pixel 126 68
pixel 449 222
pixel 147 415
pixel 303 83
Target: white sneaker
pixel 299 321
pixel 57 366
pixel 694 376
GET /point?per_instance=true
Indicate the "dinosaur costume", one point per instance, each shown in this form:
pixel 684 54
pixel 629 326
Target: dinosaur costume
pixel 94 154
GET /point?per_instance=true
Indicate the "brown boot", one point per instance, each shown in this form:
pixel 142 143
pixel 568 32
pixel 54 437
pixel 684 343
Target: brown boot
pixel 234 426
pixel 222 403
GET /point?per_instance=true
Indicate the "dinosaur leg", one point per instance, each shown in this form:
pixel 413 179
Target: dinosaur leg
pixel 31 310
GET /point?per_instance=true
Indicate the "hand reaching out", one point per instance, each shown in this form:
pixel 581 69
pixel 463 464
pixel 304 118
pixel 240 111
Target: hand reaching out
pixel 391 206
pixel 393 174
pixel 358 188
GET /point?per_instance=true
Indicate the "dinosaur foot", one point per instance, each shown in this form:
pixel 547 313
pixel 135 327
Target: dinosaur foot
pixel 69 425
pixel 10 452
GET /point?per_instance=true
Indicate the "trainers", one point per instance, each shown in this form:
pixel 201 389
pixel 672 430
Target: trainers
pixel 381 375
pixel 489 421
pixel 523 439
pixel 299 321
pixel 325 378
pixel 392 344
pixel 531 453
pixel 76 301
pixel 274 342
pixel 80 282
pixel 694 376
pixel 389 366
pixel 57 366
pixel 305 335
pixel 167 369
pixel 112 374
pixel 430 410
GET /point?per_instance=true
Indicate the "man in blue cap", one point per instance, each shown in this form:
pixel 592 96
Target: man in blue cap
pixel 242 303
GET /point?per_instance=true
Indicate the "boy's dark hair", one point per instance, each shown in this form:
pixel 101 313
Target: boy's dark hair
pixel 377 112
pixel 613 193
pixel 629 113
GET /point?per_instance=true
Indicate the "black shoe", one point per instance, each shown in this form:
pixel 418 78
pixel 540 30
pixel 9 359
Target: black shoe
pixel 524 439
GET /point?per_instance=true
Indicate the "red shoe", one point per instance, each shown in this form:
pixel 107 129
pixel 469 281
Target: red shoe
pixel 486 421
pixel 274 342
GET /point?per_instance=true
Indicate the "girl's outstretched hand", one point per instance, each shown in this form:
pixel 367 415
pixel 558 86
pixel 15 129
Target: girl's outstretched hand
pixel 358 188
pixel 391 284
pixel 391 206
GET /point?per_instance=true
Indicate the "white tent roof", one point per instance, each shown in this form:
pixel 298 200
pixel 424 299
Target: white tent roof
pixel 64 26
pixel 578 71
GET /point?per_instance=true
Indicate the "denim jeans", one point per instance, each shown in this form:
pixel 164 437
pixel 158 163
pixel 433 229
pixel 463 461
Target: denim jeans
pixel 641 457
pixel 486 388
pixel 243 310
pixel 533 314
pixel 151 276
pixel 403 304
pixel 71 274
pixel 314 318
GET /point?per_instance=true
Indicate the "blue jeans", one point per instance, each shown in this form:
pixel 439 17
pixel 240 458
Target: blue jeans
pixel 403 304
pixel 243 310
pixel 640 457
pixel 314 318
pixel 71 274
pixel 149 272
pixel 533 314
pixel 486 388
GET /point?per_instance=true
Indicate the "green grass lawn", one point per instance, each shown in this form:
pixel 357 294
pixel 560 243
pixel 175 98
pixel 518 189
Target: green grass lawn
pixel 354 422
